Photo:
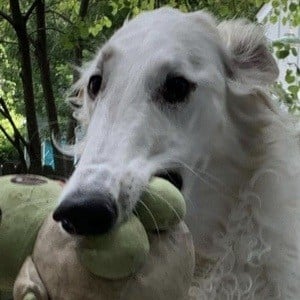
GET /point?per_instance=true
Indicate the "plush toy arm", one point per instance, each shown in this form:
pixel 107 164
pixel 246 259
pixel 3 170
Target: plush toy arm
pixel 28 285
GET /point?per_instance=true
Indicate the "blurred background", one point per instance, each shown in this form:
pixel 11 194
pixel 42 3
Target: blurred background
pixel 42 41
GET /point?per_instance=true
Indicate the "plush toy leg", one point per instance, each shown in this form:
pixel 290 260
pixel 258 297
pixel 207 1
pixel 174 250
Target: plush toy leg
pixel 28 285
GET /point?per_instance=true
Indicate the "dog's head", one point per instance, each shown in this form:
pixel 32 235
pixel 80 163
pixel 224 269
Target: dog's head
pixel 154 101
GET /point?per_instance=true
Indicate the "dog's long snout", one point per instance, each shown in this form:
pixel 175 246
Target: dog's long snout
pixel 88 216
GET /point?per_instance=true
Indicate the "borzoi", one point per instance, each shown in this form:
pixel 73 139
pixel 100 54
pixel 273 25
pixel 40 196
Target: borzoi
pixel 179 95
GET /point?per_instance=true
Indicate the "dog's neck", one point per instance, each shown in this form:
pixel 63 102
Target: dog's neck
pixel 211 198
pixel 235 156
pixel 244 216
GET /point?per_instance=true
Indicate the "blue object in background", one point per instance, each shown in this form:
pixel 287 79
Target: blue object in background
pixel 48 154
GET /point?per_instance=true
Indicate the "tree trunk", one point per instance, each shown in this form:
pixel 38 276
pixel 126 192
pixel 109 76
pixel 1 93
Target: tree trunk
pixel 26 76
pixel 43 62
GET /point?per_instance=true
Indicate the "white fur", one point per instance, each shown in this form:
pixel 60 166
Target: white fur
pixel 239 155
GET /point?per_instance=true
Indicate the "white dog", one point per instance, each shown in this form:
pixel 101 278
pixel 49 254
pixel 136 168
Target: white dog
pixel 178 95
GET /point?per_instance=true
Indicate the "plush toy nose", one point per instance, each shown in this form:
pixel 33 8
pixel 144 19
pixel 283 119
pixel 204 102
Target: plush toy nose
pixel 89 216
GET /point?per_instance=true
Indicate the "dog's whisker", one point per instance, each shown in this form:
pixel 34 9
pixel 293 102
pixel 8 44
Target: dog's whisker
pixel 209 180
pixel 151 215
pixel 157 195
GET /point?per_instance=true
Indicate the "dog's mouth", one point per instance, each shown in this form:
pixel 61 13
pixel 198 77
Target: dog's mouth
pixel 173 176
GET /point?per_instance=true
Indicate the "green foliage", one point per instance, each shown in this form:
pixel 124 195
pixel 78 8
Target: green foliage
pixel 288 13
pixel 8 91
pixel 7 151
pixel 8 79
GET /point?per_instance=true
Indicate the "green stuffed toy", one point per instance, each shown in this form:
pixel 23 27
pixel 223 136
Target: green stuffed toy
pixel 25 201
pixel 120 252
pixel 150 256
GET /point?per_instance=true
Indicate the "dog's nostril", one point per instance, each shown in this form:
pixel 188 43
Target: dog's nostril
pixel 68 226
pixel 87 217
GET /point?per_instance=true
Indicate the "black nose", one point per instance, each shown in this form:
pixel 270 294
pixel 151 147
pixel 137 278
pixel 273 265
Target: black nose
pixel 88 215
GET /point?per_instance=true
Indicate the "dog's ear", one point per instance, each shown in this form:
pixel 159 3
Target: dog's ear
pixel 250 61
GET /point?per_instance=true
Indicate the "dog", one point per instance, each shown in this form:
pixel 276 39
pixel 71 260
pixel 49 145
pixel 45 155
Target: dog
pixel 181 96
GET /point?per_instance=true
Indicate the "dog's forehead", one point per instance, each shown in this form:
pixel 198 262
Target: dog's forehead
pixel 164 39
pixel 164 28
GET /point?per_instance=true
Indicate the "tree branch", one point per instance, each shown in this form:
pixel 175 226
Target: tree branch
pixel 8 42
pixel 16 144
pixel 13 142
pixel 83 8
pixel 60 15
pixel 30 10
pixel 48 28
pixel 5 112
pixel 7 18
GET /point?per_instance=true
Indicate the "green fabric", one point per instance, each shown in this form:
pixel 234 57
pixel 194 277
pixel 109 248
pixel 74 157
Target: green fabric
pixel 161 205
pixel 117 254
pixel 24 208
pixel 30 296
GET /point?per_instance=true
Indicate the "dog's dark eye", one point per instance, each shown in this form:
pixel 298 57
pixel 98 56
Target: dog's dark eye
pixel 94 85
pixel 175 89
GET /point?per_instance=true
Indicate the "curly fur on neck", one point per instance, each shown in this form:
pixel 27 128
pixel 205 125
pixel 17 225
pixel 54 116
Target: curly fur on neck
pixel 258 247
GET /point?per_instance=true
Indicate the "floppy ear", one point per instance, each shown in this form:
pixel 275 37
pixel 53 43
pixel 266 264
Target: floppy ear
pixel 250 61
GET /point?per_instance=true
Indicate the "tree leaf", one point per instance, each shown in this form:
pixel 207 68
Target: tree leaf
pixel 278 44
pixel 275 3
pixel 273 19
pixel 294 51
pixel 293 7
pixel 294 89
pixel 290 78
pixel 282 54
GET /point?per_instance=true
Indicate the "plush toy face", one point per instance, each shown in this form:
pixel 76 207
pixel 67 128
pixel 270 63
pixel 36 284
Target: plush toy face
pixel 55 272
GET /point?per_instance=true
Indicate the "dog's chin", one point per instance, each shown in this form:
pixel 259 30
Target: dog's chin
pixel 172 176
